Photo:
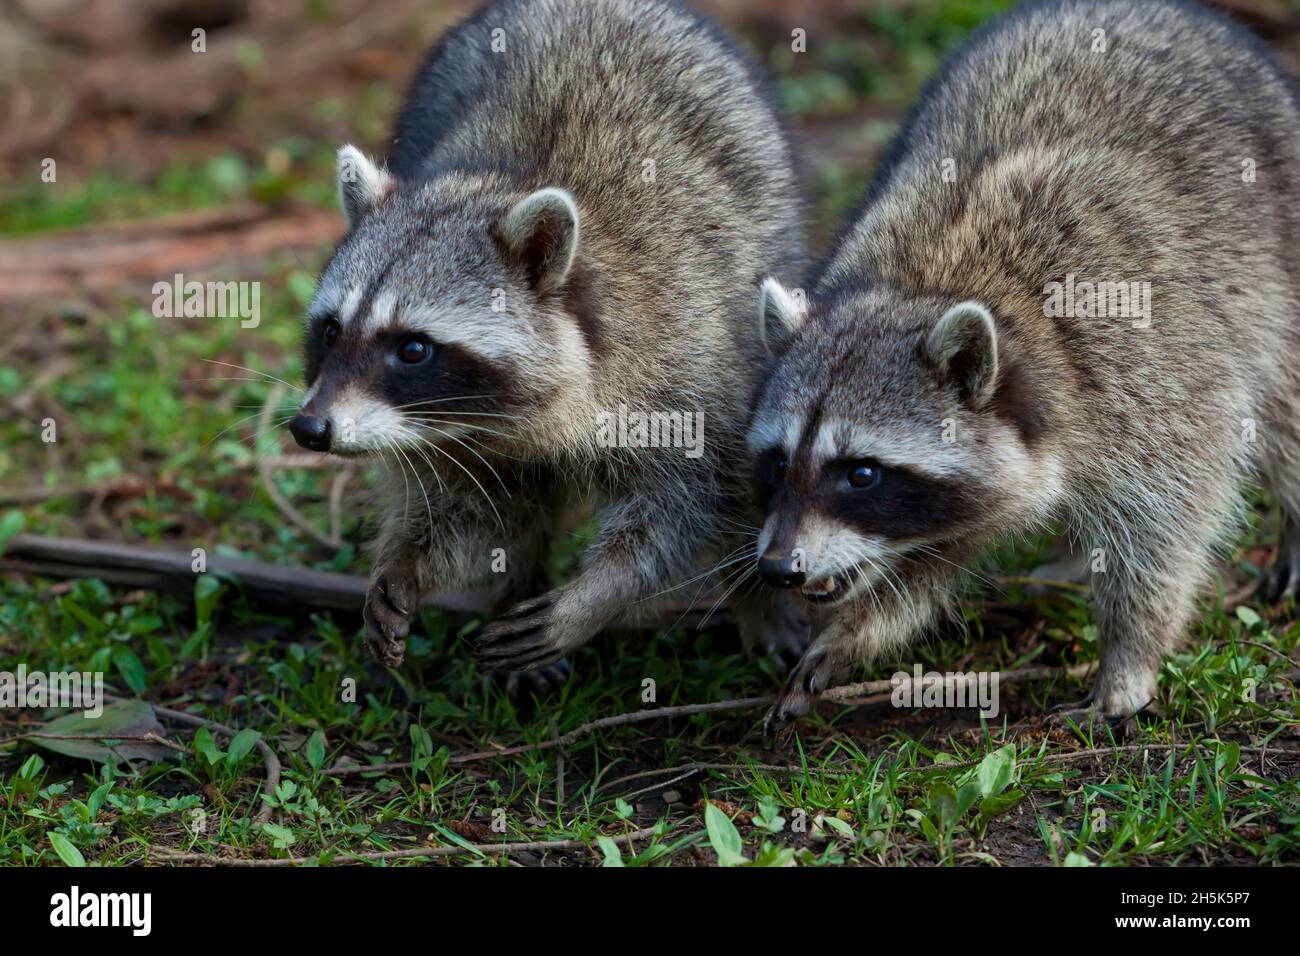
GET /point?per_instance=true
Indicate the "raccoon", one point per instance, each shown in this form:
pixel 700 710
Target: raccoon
pixel 580 198
pixel 1071 296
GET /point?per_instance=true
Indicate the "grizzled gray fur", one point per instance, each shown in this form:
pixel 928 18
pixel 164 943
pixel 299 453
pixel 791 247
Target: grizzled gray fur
pixel 951 376
pixel 580 199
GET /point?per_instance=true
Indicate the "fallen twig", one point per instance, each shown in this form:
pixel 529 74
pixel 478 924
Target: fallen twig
pixel 267 584
pixel 269 759
pixel 149 738
pixel 839 694
pixel 133 566
pixel 423 852
pixel 267 474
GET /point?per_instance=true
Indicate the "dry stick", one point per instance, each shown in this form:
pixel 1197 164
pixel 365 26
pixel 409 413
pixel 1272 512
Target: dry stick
pixel 149 738
pixel 687 770
pixel 337 485
pixel 423 852
pixel 269 759
pixel 156 569
pixel 840 694
pixel 169 856
pixel 267 474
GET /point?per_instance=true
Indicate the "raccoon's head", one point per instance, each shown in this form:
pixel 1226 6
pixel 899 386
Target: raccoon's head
pixel 447 309
pixel 887 430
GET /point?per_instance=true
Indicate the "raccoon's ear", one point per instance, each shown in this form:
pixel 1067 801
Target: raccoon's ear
pixel 780 313
pixel 963 348
pixel 541 233
pixel 362 184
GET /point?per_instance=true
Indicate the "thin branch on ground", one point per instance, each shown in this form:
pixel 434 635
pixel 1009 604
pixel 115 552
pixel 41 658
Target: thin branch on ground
pixel 846 692
pixel 269 759
pixel 487 849
pixel 267 474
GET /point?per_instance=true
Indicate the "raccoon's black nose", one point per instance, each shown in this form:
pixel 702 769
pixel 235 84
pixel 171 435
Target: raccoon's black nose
pixel 780 572
pixel 311 432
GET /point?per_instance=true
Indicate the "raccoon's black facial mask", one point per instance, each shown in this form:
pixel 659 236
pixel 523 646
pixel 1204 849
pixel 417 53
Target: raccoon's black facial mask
pixel 871 497
pixel 403 367
pixel 769 472
pixel 892 502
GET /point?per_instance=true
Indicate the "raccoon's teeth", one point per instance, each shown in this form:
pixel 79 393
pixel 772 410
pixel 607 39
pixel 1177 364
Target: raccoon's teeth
pixel 824 586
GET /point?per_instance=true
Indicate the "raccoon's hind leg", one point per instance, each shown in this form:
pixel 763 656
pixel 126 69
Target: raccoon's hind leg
pixel 1283 580
pixel 1146 594
pixel 1281 469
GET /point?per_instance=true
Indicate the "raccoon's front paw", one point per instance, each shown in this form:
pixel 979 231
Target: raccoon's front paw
pixel 391 603
pixel 815 672
pixel 529 636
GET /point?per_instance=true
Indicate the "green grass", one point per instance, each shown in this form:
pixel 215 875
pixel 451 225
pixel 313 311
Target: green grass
pixel 870 786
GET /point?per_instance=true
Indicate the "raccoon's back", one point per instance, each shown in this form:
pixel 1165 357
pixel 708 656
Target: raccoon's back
pixel 600 96
pixel 663 132
pixel 1105 139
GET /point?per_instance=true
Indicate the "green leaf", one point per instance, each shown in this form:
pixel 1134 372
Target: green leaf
pixel 205 745
pixel 11 523
pixel 124 718
pixel 995 770
pixel 459 840
pixel 1077 859
pixel 96 801
pixel 967 794
pixel 282 836
pixel 1227 758
pixel 994 806
pixel 1247 616
pixel 68 853
pixel 421 742
pixel 31 767
pixel 130 667
pixel 316 750
pixel 613 855
pixel 242 745
pixel 839 826
pixel 207 594
pixel 769 816
pixel 943 802
pixel 723 836
pixel 773 855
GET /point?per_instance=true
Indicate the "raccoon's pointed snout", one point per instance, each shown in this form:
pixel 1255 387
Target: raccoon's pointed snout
pixel 781 571
pixel 311 432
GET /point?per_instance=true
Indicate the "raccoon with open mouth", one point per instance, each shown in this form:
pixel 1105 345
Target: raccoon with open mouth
pixel 937 389
pixel 580 199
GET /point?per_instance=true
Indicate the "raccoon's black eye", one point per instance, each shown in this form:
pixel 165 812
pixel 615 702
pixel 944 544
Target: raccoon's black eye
pixel 779 465
pixel 330 334
pixel 414 350
pixel 864 475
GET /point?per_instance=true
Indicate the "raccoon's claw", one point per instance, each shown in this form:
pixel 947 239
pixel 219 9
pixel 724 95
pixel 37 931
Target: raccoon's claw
pixel 540 682
pixel 390 605
pixel 522 639
pixel 1085 715
pixel 812 675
